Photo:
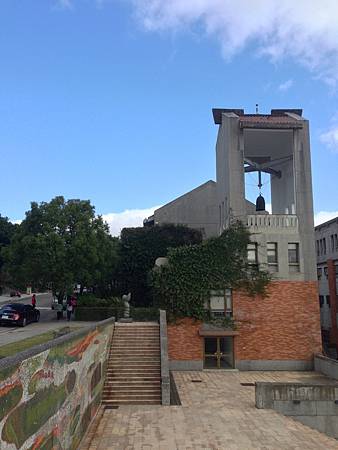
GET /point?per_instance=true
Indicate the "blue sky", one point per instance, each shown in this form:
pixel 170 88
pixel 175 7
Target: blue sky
pixel 111 100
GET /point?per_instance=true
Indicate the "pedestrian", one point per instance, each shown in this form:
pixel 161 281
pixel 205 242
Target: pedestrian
pixel 69 308
pixel 59 310
pixel 73 302
pixel 34 301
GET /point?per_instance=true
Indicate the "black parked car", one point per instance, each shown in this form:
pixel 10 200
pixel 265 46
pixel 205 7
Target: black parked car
pixel 18 314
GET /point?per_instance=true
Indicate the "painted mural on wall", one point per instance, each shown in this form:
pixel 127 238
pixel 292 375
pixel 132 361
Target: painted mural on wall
pixel 48 400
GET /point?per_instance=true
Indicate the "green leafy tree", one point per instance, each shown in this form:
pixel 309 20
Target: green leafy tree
pixel 138 250
pixel 7 230
pixel 61 243
pixel 183 285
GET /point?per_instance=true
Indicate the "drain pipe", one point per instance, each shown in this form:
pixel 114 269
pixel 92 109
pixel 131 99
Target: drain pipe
pixel 165 376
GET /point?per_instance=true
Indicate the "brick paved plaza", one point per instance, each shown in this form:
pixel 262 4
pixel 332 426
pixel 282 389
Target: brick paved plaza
pixel 216 413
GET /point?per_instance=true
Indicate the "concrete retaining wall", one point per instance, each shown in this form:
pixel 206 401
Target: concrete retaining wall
pixel 274 365
pixel 50 393
pixel 314 405
pixel 327 366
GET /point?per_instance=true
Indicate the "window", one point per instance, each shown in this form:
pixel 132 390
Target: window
pixel 319 273
pixel 317 247
pixel 326 272
pixel 252 253
pixel 332 242
pixel 228 302
pixel 328 300
pixel 336 271
pixel 324 246
pixel 293 255
pixel 321 300
pixel 272 255
pixel 336 241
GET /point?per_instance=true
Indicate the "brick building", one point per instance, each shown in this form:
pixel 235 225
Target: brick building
pixel 281 331
pixel 326 236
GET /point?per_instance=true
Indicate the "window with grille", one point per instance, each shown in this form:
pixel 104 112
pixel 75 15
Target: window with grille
pixel 272 256
pixel 293 255
pixel 252 253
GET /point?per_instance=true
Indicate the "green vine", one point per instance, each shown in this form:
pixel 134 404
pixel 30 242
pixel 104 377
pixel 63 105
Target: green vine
pixel 183 286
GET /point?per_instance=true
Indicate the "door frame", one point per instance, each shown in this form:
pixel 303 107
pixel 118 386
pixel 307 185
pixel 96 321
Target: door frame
pixel 218 351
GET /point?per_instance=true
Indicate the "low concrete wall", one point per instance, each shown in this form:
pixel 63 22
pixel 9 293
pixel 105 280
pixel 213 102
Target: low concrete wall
pixel 327 366
pixel 314 405
pixel 186 364
pixel 272 364
pixel 165 376
pixel 50 393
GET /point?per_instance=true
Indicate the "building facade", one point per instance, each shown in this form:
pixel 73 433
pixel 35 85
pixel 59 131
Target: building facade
pixel 326 236
pixel 281 331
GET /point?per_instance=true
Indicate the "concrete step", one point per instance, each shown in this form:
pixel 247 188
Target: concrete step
pixel 136 330
pixel 138 354
pixel 153 332
pixel 128 372
pixel 129 351
pixel 134 370
pixel 119 327
pixel 140 347
pixel 125 368
pixel 136 382
pixel 130 402
pixel 130 397
pixel 136 342
pixel 133 374
pixel 150 340
pixel 133 387
pixel 113 390
pixel 134 337
pixel 130 378
pixel 118 367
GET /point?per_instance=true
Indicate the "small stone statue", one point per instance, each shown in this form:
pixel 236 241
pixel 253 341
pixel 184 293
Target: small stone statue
pixel 126 301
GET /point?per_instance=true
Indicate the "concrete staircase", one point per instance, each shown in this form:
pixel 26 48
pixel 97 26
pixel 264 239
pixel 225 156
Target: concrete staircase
pixel 134 366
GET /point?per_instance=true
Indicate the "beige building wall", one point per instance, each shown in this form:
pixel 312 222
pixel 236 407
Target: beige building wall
pixel 195 209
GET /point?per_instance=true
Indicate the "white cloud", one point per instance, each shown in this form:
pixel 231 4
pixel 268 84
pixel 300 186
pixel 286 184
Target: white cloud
pixel 286 85
pixel 304 30
pixel 330 137
pixel 64 4
pixel 127 218
pixel 324 216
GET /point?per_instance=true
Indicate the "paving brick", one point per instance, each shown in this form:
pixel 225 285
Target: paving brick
pixel 218 414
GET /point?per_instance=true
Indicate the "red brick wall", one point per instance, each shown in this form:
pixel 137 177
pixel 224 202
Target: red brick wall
pixel 285 325
pixel 184 342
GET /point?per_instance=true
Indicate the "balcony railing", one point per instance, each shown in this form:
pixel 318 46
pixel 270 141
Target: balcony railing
pixel 272 221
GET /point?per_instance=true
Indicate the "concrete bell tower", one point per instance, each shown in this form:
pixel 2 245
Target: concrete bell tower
pixel 276 144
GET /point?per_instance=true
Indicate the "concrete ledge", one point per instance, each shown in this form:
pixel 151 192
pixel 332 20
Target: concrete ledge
pixel 270 395
pixel 314 405
pixel 186 365
pixel 165 376
pixel 327 366
pixel 297 365
pixel 19 357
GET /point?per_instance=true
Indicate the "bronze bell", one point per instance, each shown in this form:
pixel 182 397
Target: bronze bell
pixel 260 203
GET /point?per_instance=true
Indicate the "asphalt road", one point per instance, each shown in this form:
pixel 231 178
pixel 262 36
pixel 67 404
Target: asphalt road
pixel 48 320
